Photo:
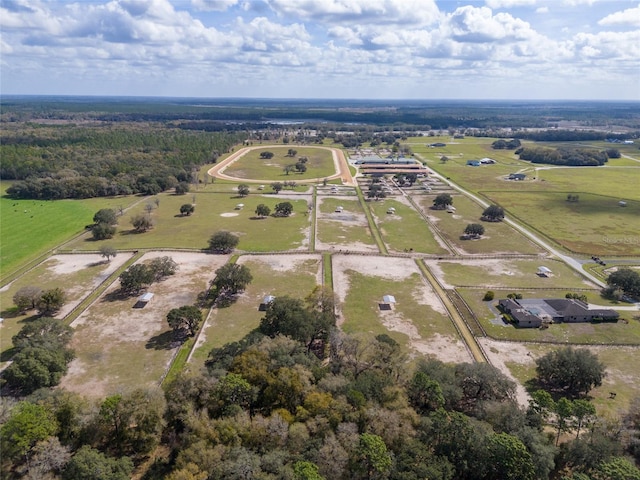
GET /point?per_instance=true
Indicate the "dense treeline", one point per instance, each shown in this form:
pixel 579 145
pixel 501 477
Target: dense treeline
pixel 270 407
pixel 561 135
pixel 564 156
pixel 82 162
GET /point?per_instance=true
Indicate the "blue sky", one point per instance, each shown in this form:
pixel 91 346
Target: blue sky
pixel 383 49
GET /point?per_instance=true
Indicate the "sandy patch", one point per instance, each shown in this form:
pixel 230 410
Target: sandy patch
pixel 501 352
pixel 283 263
pixel 497 267
pixel 229 214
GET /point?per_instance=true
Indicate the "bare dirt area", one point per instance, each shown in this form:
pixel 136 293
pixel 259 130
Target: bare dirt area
pixel 119 347
pixel 499 353
pixel 348 220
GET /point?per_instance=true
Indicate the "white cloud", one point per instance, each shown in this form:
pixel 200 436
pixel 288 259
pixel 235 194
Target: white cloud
pixel 385 12
pixel 542 10
pixel 575 3
pixel 215 5
pixel 630 16
pixel 508 3
pixel 471 24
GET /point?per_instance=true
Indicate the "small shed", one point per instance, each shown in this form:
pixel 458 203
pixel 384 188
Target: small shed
pixel 451 209
pixel 261 187
pixel 622 203
pixel 473 163
pixel 240 206
pixel 391 210
pixel 387 302
pixel 266 301
pixel 544 272
pixel 143 299
pixel 517 176
pixel 339 208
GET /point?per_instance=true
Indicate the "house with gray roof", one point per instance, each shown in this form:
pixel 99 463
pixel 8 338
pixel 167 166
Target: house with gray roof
pixel 533 312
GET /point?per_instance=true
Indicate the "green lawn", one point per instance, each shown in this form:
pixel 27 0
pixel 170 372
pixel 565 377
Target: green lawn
pixel 29 228
pixel 213 212
pixel 251 166
pixel 595 225
pixel 498 238
pixel 276 275
pixel 411 319
pixel 405 229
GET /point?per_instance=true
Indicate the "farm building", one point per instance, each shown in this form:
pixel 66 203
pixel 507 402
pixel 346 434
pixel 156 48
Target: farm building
pixel 339 208
pixel 266 301
pixel 533 312
pixel 240 206
pixel 487 161
pixel 143 299
pixel 473 163
pixel 387 302
pixel 391 210
pixel 544 272
pixel 517 176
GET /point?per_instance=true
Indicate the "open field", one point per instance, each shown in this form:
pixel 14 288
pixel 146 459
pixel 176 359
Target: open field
pixel 595 225
pixel 498 238
pixel 29 228
pixel 118 347
pixel 506 273
pixel 213 212
pixel 251 166
pixel 347 229
pixel 278 275
pixel 76 275
pixel 418 321
pixel 405 230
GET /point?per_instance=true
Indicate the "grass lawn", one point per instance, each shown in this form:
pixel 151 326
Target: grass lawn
pixel 251 166
pixel 508 273
pixel 405 229
pixel 622 377
pixel 76 275
pixel 498 238
pixel 277 275
pixel 213 212
pixel 595 225
pixel 346 228
pixel 586 333
pixel 29 228
pixel 411 322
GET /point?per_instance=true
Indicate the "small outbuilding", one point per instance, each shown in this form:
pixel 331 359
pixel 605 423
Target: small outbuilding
pixel 266 301
pixel 391 210
pixel 517 176
pixel 544 272
pixel 387 302
pixel 143 299
pixel 240 206
pixel 339 209
pixel 622 203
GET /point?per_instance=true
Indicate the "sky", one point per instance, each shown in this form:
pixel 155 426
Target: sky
pixel 338 49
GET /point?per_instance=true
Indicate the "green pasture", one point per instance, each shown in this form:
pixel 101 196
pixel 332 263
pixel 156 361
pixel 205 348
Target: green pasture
pixel 213 212
pixel 76 284
pixel 276 275
pixel 29 228
pixel 118 347
pixel 498 238
pixel 620 183
pixel 363 315
pixel 405 229
pixel 344 228
pixel 622 377
pixel 510 273
pixel 621 332
pixel 251 166
pixel 595 225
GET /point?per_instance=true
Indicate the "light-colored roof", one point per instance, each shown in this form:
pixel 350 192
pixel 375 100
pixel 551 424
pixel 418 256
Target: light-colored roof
pixel 389 299
pixel 544 269
pixel 146 297
pixel 268 299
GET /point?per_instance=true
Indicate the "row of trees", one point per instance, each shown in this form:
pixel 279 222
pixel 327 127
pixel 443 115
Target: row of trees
pixel 46 302
pixel 139 276
pixel 493 213
pixel 564 156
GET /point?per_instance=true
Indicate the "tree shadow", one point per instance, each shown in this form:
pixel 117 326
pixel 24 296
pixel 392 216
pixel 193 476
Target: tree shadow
pixel 165 341
pixel 8 354
pixel 115 296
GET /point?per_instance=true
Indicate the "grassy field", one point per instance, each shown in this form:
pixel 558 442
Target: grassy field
pixel 29 228
pixel 508 273
pixel 343 229
pixel 622 377
pixel 595 225
pixel 276 275
pixel 405 229
pixel 251 166
pixel 498 238
pixel 410 323
pixel 622 332
pixel 213 212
